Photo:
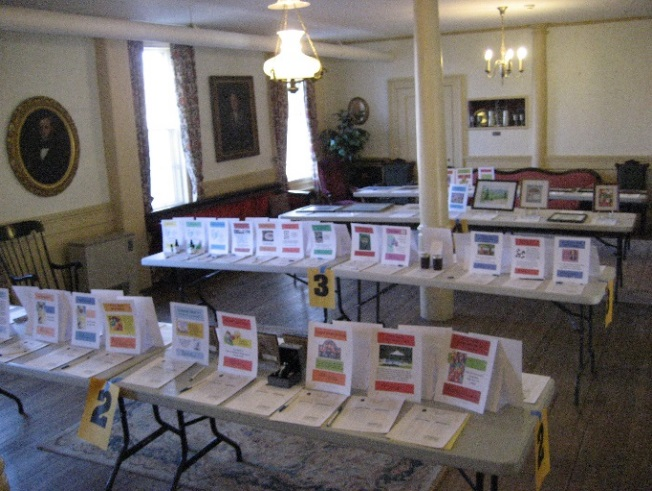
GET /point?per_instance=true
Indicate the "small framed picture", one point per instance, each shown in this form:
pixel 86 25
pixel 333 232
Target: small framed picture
pixel 605 197
pixel 534 193
pixel 495 195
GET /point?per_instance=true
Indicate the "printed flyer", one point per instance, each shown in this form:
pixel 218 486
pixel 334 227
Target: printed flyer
pixel 189 332
pixel 330 358
pixel 87 325
pixel 238 338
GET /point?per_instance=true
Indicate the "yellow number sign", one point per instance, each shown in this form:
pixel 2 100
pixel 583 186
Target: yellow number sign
pixel 321 284
pixel 97 419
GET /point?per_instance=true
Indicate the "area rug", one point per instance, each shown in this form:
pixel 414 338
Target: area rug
pixel 271 461
pixel 637 271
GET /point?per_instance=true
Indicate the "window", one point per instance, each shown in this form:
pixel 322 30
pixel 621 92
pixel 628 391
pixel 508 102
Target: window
pixel 169 180
pixel 299 163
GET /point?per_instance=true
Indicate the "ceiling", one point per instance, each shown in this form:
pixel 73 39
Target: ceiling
pixel 346 20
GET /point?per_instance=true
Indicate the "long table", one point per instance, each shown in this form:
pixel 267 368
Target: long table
pixel 591 295
pixel 618 226
pixel 585 195
pixel 493 444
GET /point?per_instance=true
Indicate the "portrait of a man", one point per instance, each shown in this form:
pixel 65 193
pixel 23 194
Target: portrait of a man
pixel 43 146
pixel 234 117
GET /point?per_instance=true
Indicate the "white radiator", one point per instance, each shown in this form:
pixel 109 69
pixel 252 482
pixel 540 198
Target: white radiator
pixel 109 262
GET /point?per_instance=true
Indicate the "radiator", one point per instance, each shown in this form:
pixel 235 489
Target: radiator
pixel 109 262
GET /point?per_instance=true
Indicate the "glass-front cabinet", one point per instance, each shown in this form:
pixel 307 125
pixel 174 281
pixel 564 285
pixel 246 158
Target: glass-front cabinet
pixel 508 112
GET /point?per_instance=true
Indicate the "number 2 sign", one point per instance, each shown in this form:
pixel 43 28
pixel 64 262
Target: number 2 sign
pixel 97 419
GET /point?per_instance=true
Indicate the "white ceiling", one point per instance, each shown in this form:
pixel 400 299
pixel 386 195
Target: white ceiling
pixel 346 20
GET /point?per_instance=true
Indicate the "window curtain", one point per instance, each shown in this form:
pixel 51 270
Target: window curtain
pixel 311 114
pixel 279 109
pixel 183 60
pixel 135 49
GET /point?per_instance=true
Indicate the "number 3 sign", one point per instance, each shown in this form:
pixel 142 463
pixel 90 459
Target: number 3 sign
pixel 97 419
pixel 321 285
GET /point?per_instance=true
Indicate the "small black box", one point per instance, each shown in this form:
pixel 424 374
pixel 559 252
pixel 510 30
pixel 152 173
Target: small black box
pixel 290 373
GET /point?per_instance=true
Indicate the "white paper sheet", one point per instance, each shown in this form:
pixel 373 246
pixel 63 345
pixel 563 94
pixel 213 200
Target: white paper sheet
pixel 158 372
pixel 216 388
pixel 98 363
pixel 310 408
pixel 533 386
pixel 16 348
pixel 428 426
pixel 262 399
pixel 370 414
pixel 58 357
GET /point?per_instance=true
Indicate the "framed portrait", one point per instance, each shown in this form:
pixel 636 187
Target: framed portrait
pixel 534 193
pixel 234 117
pixel 494 195
pixel 605 197
pixel 43 146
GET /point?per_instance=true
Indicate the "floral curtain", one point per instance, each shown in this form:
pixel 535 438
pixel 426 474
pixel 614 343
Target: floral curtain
pixel 138 89
pixel 183 60
pixel 311 114
pixel 278 94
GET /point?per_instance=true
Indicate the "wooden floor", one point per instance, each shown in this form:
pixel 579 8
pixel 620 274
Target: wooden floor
pixel 602 445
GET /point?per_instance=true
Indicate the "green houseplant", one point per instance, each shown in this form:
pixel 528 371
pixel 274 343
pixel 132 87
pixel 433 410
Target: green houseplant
pixel 347 141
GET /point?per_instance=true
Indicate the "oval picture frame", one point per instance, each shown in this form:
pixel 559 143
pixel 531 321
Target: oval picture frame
pixel 358 110
pixel 43 146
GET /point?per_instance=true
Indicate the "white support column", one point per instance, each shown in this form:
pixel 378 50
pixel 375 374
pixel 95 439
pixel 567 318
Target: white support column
pixel 436 304
pixel 539 108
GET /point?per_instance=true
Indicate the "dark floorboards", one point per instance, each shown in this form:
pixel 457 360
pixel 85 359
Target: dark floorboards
pixel 602 445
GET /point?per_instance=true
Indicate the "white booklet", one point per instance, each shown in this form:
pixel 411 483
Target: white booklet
pixel 429 426
pixel 58 358
pixel 97 363
pixel 367 413
pixel 158 372
pixel 216 388
pixel 262 399
pixel 310 407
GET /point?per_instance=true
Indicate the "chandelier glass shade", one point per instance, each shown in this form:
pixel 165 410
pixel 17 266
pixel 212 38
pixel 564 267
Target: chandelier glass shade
pixel 289 63
pixel 504 64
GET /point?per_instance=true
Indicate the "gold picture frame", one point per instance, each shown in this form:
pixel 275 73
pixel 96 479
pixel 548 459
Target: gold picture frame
pixel 43 146
pixel 233 107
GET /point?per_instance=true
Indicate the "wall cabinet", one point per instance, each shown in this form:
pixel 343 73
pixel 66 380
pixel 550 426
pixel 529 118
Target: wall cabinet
pixel 509 112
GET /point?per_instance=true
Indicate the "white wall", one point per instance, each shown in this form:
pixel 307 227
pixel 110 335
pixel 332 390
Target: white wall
pixel 210 62
pixel 599 89
pixel 62 68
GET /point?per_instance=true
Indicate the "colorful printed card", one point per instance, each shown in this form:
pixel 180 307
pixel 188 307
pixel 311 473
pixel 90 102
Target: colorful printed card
pixel 365 242
pixel 330 358
pixel 396 364
pixel 572 256
pixel 196 236
pixel 173 237
pixel 87 321
pixel 242 238
pixel 486 253
pixel 291 240
pixel 51 311
pixel 238 338
pixel 219 237
pixel 396 245
pixel 486 173
pixel 458 195
pixel 528 257
pixel 189 332
pixel 322 241
pixel 132 327
pixel 267 238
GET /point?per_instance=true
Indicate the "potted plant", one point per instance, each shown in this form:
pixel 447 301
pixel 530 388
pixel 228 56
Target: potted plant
pixel 347 141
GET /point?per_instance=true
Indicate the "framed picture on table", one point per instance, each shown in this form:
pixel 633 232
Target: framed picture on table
pixel 494 195
pixel 534 193
pixel 605 197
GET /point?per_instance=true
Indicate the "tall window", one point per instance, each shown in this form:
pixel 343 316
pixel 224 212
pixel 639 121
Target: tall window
pixel 169 180
pixel 299 164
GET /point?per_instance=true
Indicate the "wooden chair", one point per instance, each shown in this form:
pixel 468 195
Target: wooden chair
pixel 632 176
pixel 25 259
pixel 334 182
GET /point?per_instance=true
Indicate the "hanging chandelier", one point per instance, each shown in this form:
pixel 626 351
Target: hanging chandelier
pixel 503 66
pixel 289 64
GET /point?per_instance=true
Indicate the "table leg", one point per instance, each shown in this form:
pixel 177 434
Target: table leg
pixel 16 399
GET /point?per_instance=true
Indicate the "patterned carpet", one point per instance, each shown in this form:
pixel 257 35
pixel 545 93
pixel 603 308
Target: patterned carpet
pixel 272 461
pixel 637 271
